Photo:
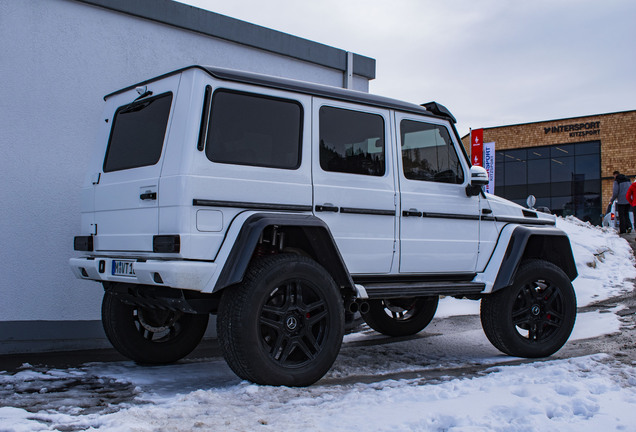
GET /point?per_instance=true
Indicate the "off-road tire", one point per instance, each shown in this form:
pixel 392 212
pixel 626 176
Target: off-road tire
pixel 401 317
pixel 151 336
pixel 283 325
pixel 534 316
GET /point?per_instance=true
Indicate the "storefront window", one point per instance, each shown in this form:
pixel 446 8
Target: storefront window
pixel 588 165
pixel 565 178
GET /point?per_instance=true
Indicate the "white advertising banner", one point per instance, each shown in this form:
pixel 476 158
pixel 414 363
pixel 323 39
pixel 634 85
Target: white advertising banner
pixel 489 165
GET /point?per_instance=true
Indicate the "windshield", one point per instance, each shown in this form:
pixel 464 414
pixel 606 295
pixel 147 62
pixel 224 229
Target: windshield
pixel 137 134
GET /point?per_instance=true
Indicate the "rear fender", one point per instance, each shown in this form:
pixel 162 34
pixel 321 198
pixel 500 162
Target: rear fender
pixel 304 233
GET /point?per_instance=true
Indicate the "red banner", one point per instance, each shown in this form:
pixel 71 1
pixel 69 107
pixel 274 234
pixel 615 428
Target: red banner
pixel 477 147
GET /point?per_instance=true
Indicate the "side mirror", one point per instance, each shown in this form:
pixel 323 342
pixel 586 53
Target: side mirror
pixel 478 178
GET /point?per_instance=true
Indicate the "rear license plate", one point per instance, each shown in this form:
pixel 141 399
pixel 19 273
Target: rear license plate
pixel 123 268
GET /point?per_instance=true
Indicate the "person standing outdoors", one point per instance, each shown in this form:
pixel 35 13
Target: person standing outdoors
pixel 619 193
pixel 631 198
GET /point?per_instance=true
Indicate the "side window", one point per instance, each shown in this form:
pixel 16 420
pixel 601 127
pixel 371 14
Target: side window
pixel 249 129
pixel 351 142
pixel 428 153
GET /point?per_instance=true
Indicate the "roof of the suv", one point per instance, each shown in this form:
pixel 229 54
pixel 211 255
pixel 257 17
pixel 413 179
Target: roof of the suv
pixel 431 109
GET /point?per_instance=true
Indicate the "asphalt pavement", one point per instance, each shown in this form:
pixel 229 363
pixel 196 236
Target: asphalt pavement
pixel 68 359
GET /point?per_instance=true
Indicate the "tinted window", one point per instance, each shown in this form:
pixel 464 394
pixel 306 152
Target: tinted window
pixel 499 176
pixel 562 150
pixel 589 165
pixel 539 177
pixel 516 155
pixel 566 177
pixel 538 171
pixel 561 169
pixel 136 138
pixel 516 173
pixel 248 129
pixel 591 147
pixel 539 153
pixel 351 142
pixel 539 190
pixel 517 192
pixel 428 153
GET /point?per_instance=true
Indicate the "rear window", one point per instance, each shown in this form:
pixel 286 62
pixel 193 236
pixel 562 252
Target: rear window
pixel 137 134
pixel 250 129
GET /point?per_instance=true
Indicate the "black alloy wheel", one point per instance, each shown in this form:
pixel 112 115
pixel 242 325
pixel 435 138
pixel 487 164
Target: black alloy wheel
pixel 401 317
pixel 538 310
pixel 535 316
pixel 293 323
pixel 284 324
pixel 151 336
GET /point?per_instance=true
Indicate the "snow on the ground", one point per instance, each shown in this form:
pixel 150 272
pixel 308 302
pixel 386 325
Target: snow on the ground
pixel 362 392
pixel 580 394
pixel 604 260
pixel 577 394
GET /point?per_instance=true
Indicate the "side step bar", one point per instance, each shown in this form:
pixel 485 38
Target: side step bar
pixel 386 290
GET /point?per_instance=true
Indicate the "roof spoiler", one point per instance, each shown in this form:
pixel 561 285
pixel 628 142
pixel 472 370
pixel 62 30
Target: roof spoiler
pixel 440 110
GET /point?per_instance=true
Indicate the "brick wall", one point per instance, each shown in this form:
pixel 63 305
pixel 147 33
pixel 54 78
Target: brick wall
pixel 617 133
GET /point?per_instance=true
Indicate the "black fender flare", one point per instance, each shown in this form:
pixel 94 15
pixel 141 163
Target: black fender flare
pixel 322 248
pixel 547 243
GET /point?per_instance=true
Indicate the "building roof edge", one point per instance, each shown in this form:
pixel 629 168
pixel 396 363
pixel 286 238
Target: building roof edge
pixel 234 30
pixel 553 120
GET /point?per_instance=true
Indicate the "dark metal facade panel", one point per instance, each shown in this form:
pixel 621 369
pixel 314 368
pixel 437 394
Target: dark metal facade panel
pixel 223 27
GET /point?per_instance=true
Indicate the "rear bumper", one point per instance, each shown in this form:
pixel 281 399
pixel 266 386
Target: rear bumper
pixel 190 275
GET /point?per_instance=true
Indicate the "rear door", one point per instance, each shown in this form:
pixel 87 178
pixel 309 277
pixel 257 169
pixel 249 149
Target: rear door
pixel 354 185
pixel 127 188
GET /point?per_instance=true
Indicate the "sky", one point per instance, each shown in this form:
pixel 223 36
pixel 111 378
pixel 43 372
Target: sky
pixel 491 62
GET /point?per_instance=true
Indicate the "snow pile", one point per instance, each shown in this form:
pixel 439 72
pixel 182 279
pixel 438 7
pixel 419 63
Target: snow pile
pixel 604 260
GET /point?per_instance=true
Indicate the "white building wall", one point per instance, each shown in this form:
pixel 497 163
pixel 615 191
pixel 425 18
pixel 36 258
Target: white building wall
pixel 58 58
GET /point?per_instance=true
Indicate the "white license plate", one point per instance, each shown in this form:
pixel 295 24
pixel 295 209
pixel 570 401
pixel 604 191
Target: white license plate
pixel 123 268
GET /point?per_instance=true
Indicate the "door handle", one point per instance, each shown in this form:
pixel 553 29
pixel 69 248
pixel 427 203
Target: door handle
pixel 411 212
pixel 148 196
pixel 327 207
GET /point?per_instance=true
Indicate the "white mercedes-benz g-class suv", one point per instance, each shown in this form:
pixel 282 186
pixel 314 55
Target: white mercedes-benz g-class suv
pixel 283 206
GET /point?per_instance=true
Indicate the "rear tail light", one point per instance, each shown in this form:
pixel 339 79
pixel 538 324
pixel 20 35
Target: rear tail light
pixel 83 243
pixel 612 216
pixel 166 244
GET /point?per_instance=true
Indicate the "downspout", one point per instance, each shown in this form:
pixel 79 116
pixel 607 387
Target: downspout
pixel 348 73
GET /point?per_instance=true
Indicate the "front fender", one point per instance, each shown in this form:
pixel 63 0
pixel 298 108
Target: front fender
pixel 520 242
